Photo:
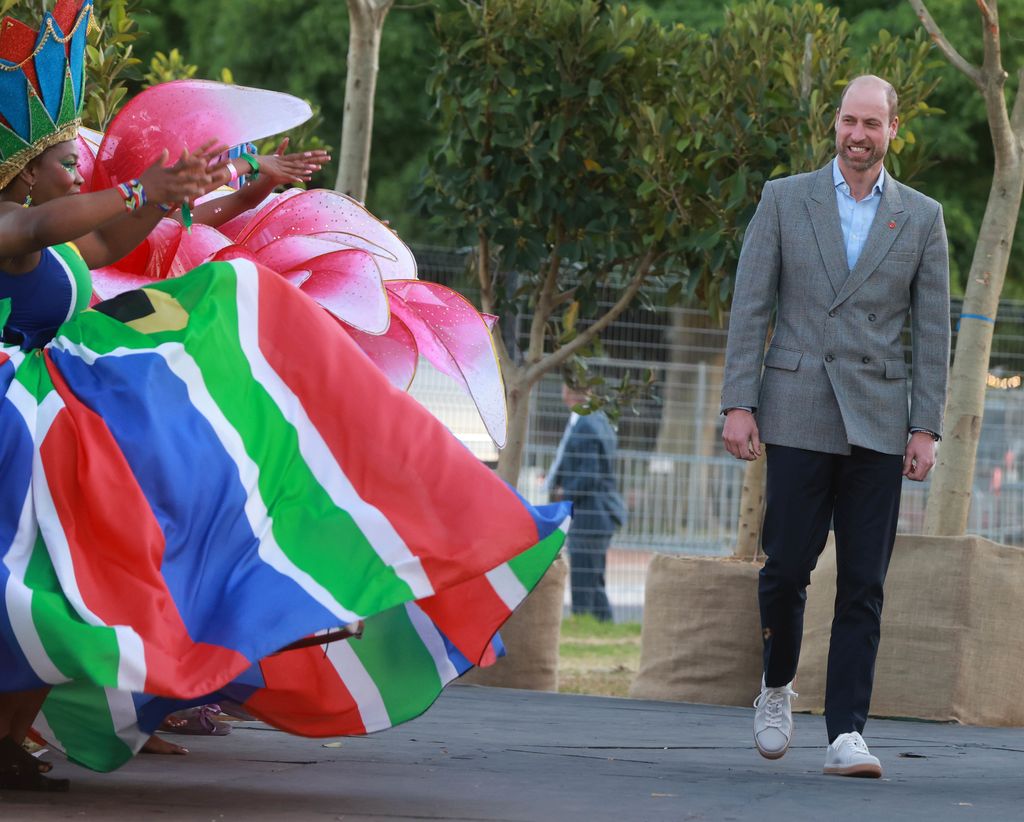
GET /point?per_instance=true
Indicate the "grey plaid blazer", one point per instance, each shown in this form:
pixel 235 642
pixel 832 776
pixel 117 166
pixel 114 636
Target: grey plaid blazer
pixel 834 373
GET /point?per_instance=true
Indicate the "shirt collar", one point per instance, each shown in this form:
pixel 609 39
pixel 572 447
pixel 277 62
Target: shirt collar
pixel 838 179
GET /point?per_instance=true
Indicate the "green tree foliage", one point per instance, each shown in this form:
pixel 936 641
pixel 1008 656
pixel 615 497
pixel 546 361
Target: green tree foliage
pixel 959 147
pixel 110 62
pixel 590 148
pixel 299 47
pixel 769 82
pixel 551 111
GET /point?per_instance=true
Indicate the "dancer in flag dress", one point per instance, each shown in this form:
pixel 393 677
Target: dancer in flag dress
pixel 205 480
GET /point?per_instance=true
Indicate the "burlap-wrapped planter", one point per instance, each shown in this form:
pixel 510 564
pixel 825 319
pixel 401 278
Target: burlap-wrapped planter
pixel 531 639
pixel 952 632
pixel 701 638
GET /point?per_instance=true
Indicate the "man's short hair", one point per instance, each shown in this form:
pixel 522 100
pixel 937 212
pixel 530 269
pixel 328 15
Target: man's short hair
pixel 891 97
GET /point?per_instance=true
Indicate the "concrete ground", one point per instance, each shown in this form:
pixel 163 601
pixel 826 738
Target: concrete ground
pixel 493 754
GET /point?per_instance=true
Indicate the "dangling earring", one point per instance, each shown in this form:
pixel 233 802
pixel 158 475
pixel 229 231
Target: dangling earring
pixel 28 197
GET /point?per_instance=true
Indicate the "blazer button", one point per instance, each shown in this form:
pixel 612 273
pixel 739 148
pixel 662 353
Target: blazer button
pixel 871 318
pixel 829 358
pixel 832 313
pixel 865 360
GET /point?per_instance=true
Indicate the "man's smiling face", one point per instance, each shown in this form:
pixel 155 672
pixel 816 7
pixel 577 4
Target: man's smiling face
pixel 863 126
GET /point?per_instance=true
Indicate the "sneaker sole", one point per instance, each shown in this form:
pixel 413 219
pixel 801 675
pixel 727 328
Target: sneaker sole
pixel 863 771
pixel 772 754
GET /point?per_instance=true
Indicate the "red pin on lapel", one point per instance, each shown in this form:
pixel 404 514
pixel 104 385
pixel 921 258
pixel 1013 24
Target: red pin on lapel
pixel 892 224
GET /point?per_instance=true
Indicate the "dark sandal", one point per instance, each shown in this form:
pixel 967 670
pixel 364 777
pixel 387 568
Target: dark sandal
pixel 20 771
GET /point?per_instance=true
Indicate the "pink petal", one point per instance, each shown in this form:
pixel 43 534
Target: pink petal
pixel 348 284
pixel 110 281
pixel 86 155
pixel 185 114
pixel 454 337
pixel 290 251
pixel 297 276
pixel 394 353
pixel 329 215
pixel 200 245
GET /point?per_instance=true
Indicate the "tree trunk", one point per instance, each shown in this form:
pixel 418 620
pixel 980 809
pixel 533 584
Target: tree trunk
pixel 949 500
pixel 366 21
pixel 517 393
pixel 748 531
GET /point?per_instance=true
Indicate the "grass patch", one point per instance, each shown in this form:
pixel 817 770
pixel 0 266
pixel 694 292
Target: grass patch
pixel 597 657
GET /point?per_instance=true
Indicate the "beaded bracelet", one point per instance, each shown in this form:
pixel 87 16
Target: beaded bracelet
pixel 253 164
pixel 133 193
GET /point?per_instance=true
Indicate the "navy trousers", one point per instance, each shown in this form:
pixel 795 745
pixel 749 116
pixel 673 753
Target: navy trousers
pixel 806 491
pixel 588 552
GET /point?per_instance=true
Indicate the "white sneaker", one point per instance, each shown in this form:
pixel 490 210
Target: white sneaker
pixel 849 756
pixel 773 720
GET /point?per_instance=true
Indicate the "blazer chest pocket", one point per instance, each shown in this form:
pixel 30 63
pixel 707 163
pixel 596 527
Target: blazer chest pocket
pixel 784 358
pixel 896 369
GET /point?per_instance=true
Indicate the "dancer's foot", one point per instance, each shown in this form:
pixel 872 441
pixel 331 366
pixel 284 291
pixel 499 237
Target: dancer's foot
pixel 172 723
pixel 156 745
pixel 20 771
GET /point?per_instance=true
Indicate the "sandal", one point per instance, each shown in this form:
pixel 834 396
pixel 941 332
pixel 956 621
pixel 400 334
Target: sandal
pixel 200 721
pixel 20 771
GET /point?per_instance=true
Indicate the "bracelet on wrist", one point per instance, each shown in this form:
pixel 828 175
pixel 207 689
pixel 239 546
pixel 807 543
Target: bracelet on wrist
pixel 133 194
pixel 253 164
pixel 233 172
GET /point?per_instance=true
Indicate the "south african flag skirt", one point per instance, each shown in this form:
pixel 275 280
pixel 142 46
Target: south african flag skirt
pixel 207 470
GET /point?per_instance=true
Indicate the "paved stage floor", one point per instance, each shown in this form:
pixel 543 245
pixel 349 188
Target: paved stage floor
pixel 493 754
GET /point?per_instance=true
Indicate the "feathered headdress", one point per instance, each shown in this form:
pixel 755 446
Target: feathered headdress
pixel 42 84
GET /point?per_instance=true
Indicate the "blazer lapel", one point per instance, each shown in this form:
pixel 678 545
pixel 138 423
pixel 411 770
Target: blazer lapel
pixel 821 205
pixel 885 228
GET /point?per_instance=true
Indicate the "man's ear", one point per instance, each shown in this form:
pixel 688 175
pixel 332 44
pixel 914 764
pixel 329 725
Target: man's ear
pixel 894 127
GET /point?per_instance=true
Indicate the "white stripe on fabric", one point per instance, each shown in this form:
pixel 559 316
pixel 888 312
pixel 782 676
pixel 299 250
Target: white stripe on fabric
pixel 182 365
pixel 131 664
pixel 374 525
pixel 507 586
pixel 17 595
pixel 125 719
pixel 71 279
pixel 351 671
pixel 41 725
pixel 15 354
pixel 432 640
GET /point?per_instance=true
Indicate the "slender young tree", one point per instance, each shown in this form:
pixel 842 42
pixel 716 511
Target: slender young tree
pixel 366 22
pixel 950 497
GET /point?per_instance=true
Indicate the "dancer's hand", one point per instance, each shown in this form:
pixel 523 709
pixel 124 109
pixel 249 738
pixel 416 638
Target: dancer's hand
pixel 919 456
pixel 740 435
pixel 187 179
pixel 279 169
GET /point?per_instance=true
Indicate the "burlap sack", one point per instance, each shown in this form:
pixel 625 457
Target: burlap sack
pixel 701 638
pixel 531 639
pixel 952 632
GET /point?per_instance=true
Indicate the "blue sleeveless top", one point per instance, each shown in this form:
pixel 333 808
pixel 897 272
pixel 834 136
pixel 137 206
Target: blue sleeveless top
pixel 45 297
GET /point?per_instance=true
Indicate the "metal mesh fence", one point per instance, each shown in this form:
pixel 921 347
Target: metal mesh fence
pixel 681 489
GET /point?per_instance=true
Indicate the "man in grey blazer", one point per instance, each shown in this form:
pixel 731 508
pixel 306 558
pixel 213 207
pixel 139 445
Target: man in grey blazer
pixel 843 255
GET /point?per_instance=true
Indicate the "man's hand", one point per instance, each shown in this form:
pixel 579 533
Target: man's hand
pixel 919 457
pixel 740 435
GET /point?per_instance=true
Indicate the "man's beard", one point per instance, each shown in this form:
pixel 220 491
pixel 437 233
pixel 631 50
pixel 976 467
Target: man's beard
pixel 862 161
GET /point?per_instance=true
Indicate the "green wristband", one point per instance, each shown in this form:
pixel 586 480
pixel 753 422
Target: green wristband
pixel 253 164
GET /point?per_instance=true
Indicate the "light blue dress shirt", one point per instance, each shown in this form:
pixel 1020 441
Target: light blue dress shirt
pixel 855 217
